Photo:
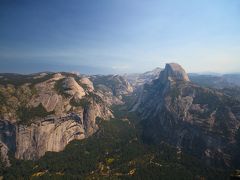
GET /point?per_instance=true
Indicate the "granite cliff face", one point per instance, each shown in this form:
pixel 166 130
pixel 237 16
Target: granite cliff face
pixel 47 135
pixel 139 79
pixel 7 142
pixel 197 120
pixel 173 72
pixel 112 88
pixel 44 112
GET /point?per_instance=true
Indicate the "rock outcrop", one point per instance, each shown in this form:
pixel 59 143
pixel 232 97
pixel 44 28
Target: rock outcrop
pixel 112 88
pixel 86 81
pixel 173 72
pixel 72 88
pixel 7 141
pixel 139 79
pixel 197 120
pixel 4 155
pixel 47 135
pixel 46 112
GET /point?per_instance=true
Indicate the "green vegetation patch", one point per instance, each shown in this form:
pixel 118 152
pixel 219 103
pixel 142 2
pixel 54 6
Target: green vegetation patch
pixel 174 93
pixel 19 79
pixel 60 89
pixel 209 98
pixel 2 99
pixel 26 114
pixel 84 86
pixel 95 97
pixel 115 151
pixel 84 102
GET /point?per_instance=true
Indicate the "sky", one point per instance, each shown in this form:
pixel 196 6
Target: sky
pixel 119 36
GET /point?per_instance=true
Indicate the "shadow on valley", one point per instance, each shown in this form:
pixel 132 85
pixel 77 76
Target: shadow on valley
pixel 115 151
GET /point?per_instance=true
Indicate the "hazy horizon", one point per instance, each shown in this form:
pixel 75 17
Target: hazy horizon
pixel 110 37
pixel 85 70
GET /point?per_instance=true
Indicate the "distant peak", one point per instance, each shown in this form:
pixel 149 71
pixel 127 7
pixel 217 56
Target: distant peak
pixel 174 66
pixel 173 72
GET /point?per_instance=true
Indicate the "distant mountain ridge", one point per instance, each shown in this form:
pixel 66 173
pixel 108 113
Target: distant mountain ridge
pixel 213 80
pixel 139 79
pixel 198 120
pixel 45 111
pixel 219 82
pixel 193 115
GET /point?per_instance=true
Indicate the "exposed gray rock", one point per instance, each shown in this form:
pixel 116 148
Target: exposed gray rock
pixel 47 96
pixel 173 72
pixel 47 115
pixel 4 155
pixel 200 121
pixel 86 81
pixel 73 88
pixel 139 79
pixel 53 135
pixel 7 141
pixel 112 88
pixel 8 134
pixel 57 76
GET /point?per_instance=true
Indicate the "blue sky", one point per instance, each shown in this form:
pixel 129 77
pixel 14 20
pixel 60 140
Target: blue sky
pixel 118 36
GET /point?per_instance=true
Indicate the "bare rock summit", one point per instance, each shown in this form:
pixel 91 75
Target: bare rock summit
pixel 173 72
